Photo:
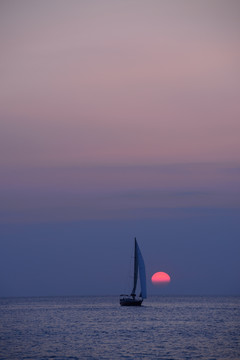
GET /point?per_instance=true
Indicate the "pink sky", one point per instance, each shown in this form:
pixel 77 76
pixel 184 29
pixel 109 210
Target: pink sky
pixel 118 108
pixel 138 82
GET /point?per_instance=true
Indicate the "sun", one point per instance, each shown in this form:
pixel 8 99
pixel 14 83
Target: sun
pixel 160 278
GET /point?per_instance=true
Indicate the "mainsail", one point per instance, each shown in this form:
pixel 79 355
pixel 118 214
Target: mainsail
pixel 139 266
pixel 133 293
pixel 142 273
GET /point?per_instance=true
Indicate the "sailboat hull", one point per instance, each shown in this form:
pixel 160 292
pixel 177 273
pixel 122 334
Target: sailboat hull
pixel 130 302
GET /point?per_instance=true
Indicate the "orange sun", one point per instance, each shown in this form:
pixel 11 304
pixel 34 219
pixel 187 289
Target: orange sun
pixel 160 278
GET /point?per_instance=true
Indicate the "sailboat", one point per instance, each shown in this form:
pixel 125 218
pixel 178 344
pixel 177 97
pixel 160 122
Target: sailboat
pixel 139 267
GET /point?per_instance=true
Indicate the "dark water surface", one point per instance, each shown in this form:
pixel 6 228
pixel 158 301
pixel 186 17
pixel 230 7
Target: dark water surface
pixel 98 328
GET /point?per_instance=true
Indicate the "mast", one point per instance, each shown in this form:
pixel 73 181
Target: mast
pixel 135 269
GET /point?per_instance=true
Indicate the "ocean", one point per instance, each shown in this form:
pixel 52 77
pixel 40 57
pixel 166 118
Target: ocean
pixel 98 328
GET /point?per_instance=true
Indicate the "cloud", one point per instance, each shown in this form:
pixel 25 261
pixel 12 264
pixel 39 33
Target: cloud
pixel 74 194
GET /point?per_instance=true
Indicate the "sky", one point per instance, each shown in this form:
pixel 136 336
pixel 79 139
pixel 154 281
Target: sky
pixel 119 119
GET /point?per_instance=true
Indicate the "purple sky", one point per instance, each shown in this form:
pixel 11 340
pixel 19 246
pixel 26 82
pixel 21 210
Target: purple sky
pixel 119 115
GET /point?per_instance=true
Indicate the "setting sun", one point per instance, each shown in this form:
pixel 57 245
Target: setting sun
pixel 160 278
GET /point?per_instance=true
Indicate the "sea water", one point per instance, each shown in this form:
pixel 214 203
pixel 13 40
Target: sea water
pixel 98 328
